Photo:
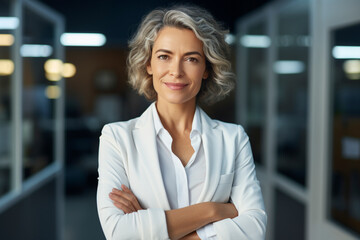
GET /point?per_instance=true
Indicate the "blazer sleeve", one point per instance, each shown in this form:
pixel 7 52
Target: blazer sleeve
pixel 246 196
pixel 143 224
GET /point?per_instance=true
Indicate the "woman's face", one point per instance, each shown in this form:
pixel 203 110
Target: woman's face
pixel 177 65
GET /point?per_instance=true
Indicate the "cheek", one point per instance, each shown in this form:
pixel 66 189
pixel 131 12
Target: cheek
pixel 155 82
pixel 200 77
pixel 158 71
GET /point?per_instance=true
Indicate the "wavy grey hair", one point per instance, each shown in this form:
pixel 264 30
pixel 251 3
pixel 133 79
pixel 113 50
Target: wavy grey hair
pixel 220 80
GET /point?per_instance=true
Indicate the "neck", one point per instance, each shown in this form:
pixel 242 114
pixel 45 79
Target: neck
pixel 176 118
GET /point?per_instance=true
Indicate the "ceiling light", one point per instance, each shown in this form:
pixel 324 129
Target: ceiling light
pixel 255 41
pixel 83 39
pixel 9 22
pixel 289 67
pixel 35 50
pixel 346 52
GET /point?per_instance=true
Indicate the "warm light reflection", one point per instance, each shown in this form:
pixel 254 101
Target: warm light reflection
pixel 53 92
pixel 55 69
pixel 35 50
pixel 9 22
pixel 352 69
pixel 255 41
pixel 69 70
pixel 53 66
pixel 6 67
pixel 288 67
pixel 53 76
pixel 83 39
pixel 6 39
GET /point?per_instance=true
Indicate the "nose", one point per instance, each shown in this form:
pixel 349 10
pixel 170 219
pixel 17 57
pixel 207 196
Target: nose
pixel 176 68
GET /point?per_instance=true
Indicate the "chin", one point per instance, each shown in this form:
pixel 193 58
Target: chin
pixel 176 99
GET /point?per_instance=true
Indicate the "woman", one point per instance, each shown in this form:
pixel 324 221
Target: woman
pixel 174 172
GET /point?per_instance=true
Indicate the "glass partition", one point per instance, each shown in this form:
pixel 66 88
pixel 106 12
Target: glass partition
pixel 291 68
pixel 40 90
pixel 344 200
pixel 287 207
pixel 7 24
pixel 256 42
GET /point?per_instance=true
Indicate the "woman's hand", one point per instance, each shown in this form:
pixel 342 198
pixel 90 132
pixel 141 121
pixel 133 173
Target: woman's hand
pixel 125 199
pixel 224 210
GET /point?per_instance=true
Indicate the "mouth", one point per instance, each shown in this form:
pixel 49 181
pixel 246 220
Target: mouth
pixel 176 86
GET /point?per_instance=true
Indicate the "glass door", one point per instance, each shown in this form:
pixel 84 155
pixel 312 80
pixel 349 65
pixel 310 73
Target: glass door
pixel 343 206
pixel 7 25
pixel 335 139
pixel 31 115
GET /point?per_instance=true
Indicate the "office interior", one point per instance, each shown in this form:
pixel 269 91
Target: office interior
pixel 297 65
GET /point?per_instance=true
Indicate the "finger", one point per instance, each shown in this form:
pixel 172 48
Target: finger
pixel 122 207
pixel 137 205
pixel 125 206
pixel 127 194
pixel 125 188
pixel 123 201
pixel 121 193
pixel 132 197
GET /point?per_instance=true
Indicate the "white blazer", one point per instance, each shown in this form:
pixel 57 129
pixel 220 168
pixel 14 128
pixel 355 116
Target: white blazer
pixel 128 155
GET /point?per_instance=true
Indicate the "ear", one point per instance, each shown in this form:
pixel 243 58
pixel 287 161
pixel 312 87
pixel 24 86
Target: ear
pixel 205 75
pixel 149 69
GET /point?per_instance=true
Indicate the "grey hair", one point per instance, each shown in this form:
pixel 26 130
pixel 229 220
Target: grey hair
pixel 220 80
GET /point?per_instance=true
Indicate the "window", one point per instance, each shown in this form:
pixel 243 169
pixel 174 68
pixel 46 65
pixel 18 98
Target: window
pixel 291 68
pixel 6 73
pixel 344 203
pixel 256 43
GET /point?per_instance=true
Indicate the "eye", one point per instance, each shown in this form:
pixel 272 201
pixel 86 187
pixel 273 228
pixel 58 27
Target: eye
pixel 192 59
pixel 163 57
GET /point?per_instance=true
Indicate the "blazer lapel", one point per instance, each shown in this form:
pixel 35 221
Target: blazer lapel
pixel 213 141
pixel 145 142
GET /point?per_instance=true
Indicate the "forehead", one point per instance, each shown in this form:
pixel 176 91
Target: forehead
pixel 173 38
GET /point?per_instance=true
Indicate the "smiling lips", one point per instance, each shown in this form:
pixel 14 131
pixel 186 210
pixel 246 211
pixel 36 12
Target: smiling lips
pixel 175 86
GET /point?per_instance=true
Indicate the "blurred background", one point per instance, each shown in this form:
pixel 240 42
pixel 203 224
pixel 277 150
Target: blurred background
pixel 63 76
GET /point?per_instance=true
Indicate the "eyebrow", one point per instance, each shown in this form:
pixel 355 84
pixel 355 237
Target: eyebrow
pixel 186 54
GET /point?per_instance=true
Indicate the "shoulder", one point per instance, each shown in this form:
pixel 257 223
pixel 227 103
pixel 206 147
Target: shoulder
pixel 231 129
pixel 119 131
pixel 125 128
pixel 233 134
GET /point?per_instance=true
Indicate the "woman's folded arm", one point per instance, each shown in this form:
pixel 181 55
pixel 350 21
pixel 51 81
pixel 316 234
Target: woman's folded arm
pixel 247 198
pixel 151 223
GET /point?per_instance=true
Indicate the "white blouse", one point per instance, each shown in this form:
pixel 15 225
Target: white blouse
pixel 183 185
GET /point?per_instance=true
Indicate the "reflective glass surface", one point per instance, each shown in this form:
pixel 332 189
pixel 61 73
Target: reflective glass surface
pixel 344 203
pixel 39 93
pixel 289 217
pixel 256 89
pixel 6 71
pixel 291 69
